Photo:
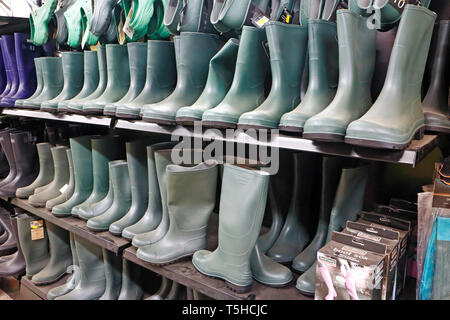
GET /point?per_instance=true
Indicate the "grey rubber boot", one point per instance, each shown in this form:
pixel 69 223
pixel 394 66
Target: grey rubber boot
pixel 131 281
pixel 113 274
pixel 68 191
pixel 46 171
pixel 163 291
pixel 40 84
pixel 177 292
pixel 191 197
pixel 243 200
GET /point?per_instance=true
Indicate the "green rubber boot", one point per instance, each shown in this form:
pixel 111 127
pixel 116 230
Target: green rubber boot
pixel 193 52
pixel 72 17
pixel 137 53
pixel 118 83
pixel 72 64
pixel 243 200
pixel 397 116
pixel 86 22
pixel 113 275
pixel 68 191
pixel 323 75
pixel 39 20
pixel 287 46
pixel 91 79
pixel 141 15
pixel 220 76
pixel 356 66
pixel 131 281
pixel 160 80
pixel 156 29
pixel 247 90
pixel 40 84
pixel 46 171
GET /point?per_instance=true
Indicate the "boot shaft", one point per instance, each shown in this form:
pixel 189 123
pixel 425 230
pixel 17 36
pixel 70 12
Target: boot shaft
pixel 120 179
pixel 52 75
pixel 161 75
pixel 73 65
pixel 24 149
pixel 61 164
pixel 81 150
pixel 91 71
pixel 118 68
pixel 137 166
pixel 137 53
pixel 39 76
pixel 102 67
pixel 90 259
pixel 25 55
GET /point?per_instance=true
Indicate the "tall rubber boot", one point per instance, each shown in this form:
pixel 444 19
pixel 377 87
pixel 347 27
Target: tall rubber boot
pixel 137 54
pixel 193 51
pixel 72 19
pixel 86 21
pixel 104 150
pixel 137 168
pixel 9 246
pixel 113 274
pixel 161 79
pixel 15 266
pixel 247 90
pixel 40 84
pixel 288 45
pixel 5 141
pixel 120 179
pixel 118 83
pixel 323 75
pixel 61 178
pixel 356 67
pixel 7 66
pixel 131 281
pixel 12 75
pixel 177 292
pixel 220 76
pixel 243 199
pixel 46 171
pixel 152 216
pixel 39 20
pixel 72 64
pixel 53 81
pixel 67 193
pixel 76 105
pixel 101 16
pixel 166 285
pixel 3 79
pixel 92 281
pixel 435 104
pixel 35 252
pixel 396 116
pixel 91 80
pixel 347 205
pixel 191 199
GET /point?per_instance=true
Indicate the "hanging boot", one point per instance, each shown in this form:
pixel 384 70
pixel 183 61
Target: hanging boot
pixel 40 84
pixel 166 285
pixel 9 246
pixel 397 116
pixel 131 279
pixel 9 57
pixel 72 18
pixel 113 274
pixel 193 52
pixel 101 16
pixel 15 266
pixel 86 21
pixel 247 90
pixel 5 141
pixel 39 20
pixel 68 191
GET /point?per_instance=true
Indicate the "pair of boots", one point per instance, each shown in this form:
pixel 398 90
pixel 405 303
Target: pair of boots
pixel 12 262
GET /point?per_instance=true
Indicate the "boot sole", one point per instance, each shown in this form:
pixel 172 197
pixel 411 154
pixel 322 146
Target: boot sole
pixel 437 129
pixel 160 121
pixel 288 129
pixel 249 126
pixel 94 112
pixel 186 121
pixel 127 116
pixel 275 285
pixel 305 293
pixel 218 124
pixel 109 114
pixel 324 137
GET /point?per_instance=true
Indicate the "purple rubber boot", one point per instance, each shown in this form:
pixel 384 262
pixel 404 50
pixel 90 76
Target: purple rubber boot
pixel 7 68
pixel 9 57
pixel 2 73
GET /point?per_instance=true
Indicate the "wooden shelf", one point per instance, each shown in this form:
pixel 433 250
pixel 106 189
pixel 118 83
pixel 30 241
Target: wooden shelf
pixel 41 291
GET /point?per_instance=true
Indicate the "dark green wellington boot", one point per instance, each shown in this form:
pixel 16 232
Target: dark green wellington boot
pixel 137 167
pixel 131 281
pixel 193 51
pixel 113 274
pixel 67 193
pixel 39 20
pixel 356 66
pixel 152 216
pixel 137 53
pixel 120 179
pixel 397 116
pixel 247 90
pixel 163 291
pixel 288 45
pixel 72 18
pixel 92 282
pixel 91 79
pixel 35 252
pixel 60 256
pixel 46 171
pixel 82 169
pixel 191 197
pixel 72 64
pixel 160 80
pixel 40 84
pixel 104 150
pixel 243 200
pixel 61 178
pixel 347 205
pixel 76 105
pixel 53 82
pixel 323 75
pixel 118 79
pixel 220 77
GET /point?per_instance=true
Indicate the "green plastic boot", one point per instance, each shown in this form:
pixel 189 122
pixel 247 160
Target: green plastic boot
pixel 86 21
pixel 40 84
pixel 68 191
pixel 39 20
pixel 113 274
pixel 72 17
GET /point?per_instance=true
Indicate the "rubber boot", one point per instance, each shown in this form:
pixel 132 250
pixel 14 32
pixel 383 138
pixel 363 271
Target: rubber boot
pixel 40 84
pixel 101 16
pixel 396 116
pixel 287 46
pixel 76 105
pixel 323 75
pixel 120 179
pixel 104 150
pixel 67 193
pixel 35 252
pixel 240 219
pixel 191 199
pixel 160 81
pixel 156 29
pixel 92 283
pixel 137 53
pixel 131 281
pixel 3 79
pixel 193 52
pixel 53 82
pixel 137 168
pixel 220 76
pixel 247 90
pixel 86 22
pixel 9 246
pixel 7 66
pixel 61 178
pixel 5 141
pixel 177 292
pixel 347 206
pixel 72 63
pixel 118 83
pixel 142 13
pixel 357 51
pixel 46 171
pixel 91 80
pixel 113 274
pixel 15 266
pixel 12 75
pixel 166 285
pixel 39 20
pixel 72 18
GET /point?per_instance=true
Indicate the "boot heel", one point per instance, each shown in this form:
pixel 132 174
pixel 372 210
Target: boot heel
pixel 419 134
pixel 237 289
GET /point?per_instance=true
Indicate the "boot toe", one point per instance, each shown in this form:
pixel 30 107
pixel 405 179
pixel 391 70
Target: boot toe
pixel 325 125
pixel 128 233
pixel 189 112
pixel 97 224
pixel 278 275
pixel 157 113
pixel 219 116
pixel 294 119
pixel 116 228
pixel 306 282
pixel 258 118
pixel 141 240
pixel 303 262
pixel 128 110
